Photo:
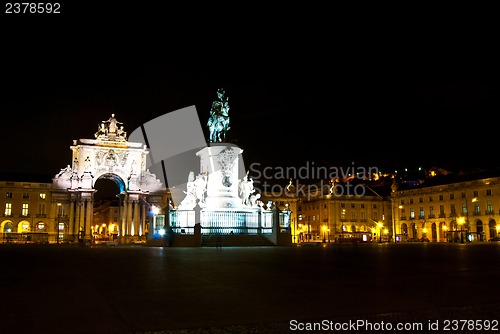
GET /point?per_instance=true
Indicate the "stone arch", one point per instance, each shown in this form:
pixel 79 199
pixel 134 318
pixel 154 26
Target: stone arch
pixel 434 232
pixel 492 228
pixel 413 233
pixel 404 231
pixel 453 225
pixel 7 226
pixel 479 230
pixel 115 178
pixel 443 231
pixel 107 157
pixel 40 226
pixel 23 226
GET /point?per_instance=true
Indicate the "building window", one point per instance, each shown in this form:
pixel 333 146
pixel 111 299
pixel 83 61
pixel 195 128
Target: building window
pixel 441 197
pixel 26 195
pixel 430 198
pixel 477 209
pixel 412 213
pixel 452 196
pixel 362 215
pixel 421 200
pixel 453 209
pixel 374 205
pixel 441 210
pixel 411 200
pixel 40 226
pixel 25 211
pixel 463 195
pixel 476 193
pixel 464 208
pixel 342 205
pixel 41 209
pixel 362 205
pixel 488 192
pixel 42 196
pixel 353 205
pixel 375 216
pixel 8 195
pixel 422 213
pixel 8 209
pixel 402 202
pixel 431 211
pixel 60 209
pixel 353 214
pixel 489 206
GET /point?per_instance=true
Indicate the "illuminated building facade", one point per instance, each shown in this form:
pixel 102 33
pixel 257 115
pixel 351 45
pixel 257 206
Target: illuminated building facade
pixel 464 210
pixel 319 215
pixel 27 212
pixel 331 217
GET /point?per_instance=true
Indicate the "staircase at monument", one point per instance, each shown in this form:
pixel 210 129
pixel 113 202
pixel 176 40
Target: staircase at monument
pixel 235 240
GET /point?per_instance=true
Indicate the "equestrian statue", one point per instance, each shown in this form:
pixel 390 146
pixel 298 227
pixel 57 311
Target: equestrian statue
pixel 218 122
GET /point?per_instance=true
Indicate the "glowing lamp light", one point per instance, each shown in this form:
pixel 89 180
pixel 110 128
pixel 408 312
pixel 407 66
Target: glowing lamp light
pixel 161 232
pixel 155 209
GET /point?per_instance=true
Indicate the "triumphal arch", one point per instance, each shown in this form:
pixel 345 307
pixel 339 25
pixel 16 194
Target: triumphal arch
pixel 108 156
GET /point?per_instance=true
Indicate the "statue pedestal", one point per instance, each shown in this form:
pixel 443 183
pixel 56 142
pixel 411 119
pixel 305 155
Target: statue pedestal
pixel 219 162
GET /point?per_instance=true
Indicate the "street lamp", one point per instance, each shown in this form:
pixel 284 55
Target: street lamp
pixel 461 221
pixel 380 225
pixel 59 210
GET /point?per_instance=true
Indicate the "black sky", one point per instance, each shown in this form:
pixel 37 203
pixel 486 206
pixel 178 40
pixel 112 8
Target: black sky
pixel 379 97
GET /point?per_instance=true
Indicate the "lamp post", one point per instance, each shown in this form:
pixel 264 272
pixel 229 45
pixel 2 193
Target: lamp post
pixel 155 210
pixel 59 210
pixel 380 225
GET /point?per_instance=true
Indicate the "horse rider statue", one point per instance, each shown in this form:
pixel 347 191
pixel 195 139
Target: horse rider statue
pixel 218 122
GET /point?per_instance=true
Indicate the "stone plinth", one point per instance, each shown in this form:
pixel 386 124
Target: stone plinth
pixel 220 162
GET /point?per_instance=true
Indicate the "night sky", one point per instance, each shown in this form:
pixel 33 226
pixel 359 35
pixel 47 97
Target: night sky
pixel 369 97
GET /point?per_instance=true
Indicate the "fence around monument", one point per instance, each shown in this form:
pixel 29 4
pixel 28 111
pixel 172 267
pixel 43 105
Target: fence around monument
pixel 227 222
